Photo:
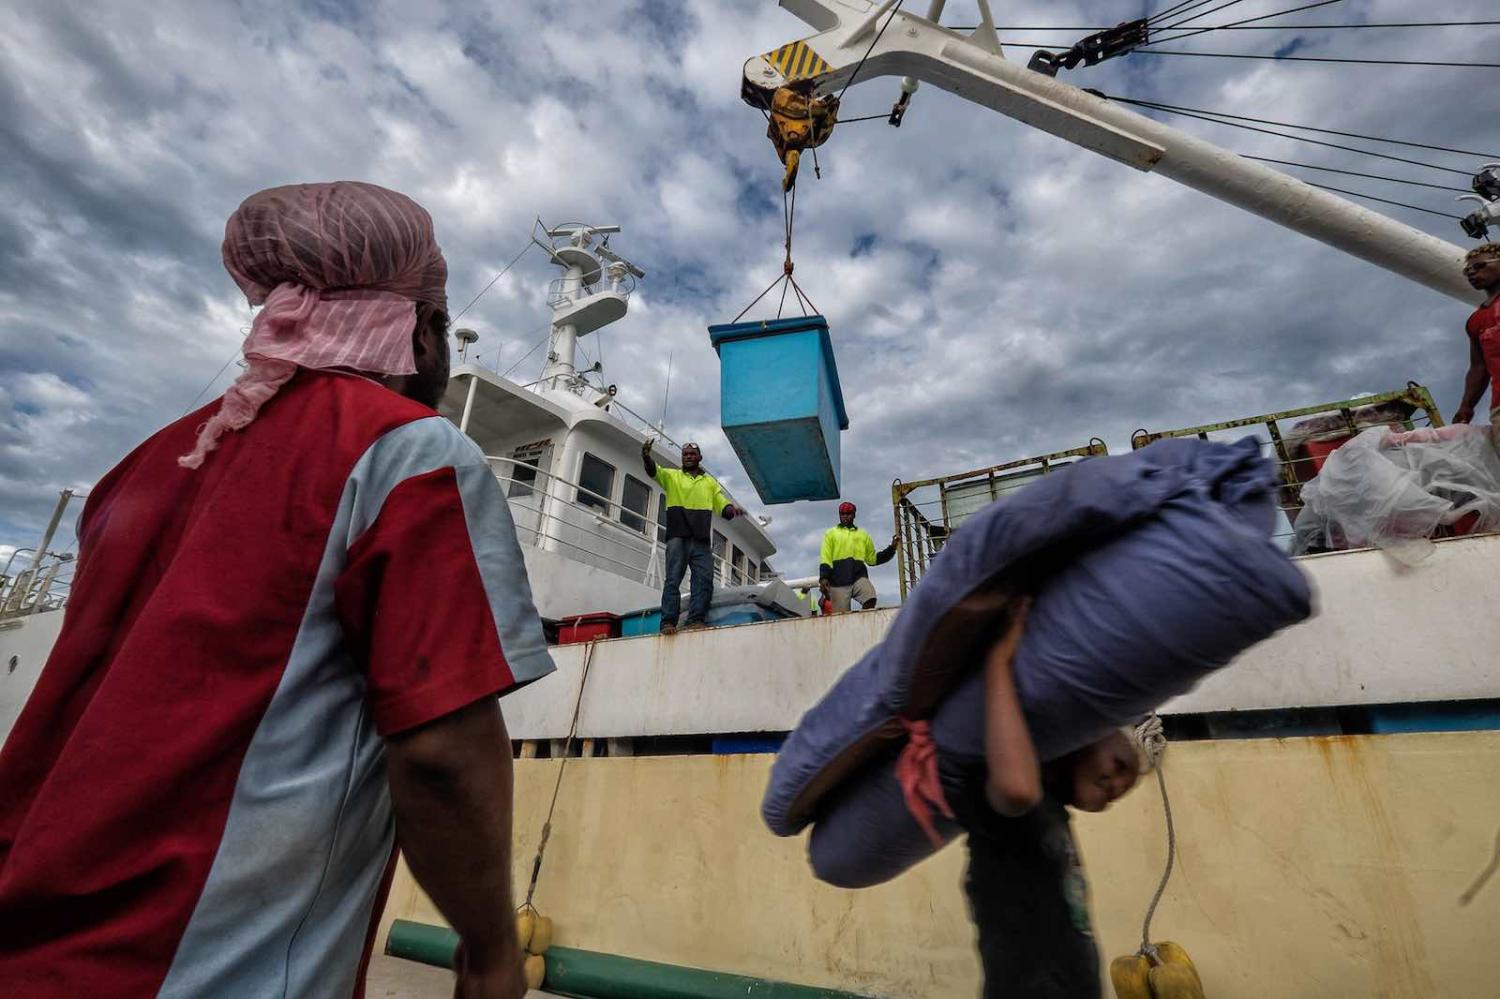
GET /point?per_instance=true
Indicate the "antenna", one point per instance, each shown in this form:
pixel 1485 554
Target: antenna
pixel 666 394
pixel 465 338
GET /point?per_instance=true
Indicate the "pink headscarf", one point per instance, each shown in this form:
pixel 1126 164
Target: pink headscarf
pixel 340 269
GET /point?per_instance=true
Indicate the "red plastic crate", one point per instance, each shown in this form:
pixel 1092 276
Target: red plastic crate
pixel 588 627
pixel 1319 450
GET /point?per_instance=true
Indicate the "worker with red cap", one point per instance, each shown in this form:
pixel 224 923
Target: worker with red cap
pixel 842 573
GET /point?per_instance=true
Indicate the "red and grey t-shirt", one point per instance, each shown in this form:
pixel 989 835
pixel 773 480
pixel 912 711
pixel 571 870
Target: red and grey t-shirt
pixel 194 802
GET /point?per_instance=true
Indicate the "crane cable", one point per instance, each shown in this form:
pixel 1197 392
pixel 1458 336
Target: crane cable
pixel 1178 109
pixel 1204 116
pixel 789 218
pixel 1295 58
pixel 1249 20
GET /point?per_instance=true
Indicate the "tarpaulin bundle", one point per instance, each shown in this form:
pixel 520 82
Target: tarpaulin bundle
pixel 1147 572
pixel 1393 490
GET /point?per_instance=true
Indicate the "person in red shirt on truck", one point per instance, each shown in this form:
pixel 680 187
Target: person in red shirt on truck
pixel 1482 268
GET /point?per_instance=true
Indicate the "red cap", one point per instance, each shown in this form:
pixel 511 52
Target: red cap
pixel 846 508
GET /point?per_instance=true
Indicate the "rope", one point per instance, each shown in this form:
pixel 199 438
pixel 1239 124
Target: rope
pixel 1384 201
pixel 497 277
pixel 541 847
pixel 523 357
pixel 1176 109
pixel 1151 741
pixel 1353 173
pixel 1242 26
pixel 786 280
pixel 1295 58
pixel 1285 135
pixel 1176 9
pixel 789 212
pixel 209 384
pixel 1484 875
pixel 758 298
pixel 1248 20
pixel 1204 13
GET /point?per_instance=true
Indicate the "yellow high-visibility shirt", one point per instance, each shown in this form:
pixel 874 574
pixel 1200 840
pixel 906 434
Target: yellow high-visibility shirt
pixel 846 552
pixel 692 501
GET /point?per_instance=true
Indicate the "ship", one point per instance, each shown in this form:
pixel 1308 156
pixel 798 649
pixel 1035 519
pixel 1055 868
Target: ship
pixel 1328 804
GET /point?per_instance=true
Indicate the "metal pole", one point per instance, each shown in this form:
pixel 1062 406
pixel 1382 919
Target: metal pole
pixel 964 66
pixel 47 581
pixel 57 512
pixel 463 421
pixel 19 589
pixel 1072 114
pixel 6 571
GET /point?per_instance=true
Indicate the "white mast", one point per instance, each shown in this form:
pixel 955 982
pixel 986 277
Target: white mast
pixel 593 292
pixel 855 33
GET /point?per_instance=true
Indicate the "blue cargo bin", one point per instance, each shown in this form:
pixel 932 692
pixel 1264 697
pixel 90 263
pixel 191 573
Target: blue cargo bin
pixel 781 406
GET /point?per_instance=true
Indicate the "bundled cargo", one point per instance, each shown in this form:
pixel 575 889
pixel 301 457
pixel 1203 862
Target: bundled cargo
pixel 1396 490
pixel 1146 571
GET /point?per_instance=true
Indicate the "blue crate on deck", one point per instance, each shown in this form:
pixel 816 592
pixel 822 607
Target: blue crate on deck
pixel 781 405
pixel 641 622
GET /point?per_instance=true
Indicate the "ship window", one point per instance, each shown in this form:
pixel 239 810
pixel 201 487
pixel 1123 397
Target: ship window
pixel 721 570
pixel 737 564
pixel 596 482
pixel 523 469
pixel 635 503
pixel 752 571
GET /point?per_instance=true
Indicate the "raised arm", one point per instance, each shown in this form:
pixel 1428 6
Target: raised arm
pixel 888 552
pixel 1014 784
pixel 648 462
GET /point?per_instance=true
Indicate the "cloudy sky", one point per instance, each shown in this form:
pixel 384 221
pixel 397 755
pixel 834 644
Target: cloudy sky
pixel 994 292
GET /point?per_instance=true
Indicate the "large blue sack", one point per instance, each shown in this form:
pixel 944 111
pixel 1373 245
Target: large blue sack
pixel 1149 571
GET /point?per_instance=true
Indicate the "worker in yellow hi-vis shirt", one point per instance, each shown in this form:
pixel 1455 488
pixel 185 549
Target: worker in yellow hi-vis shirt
pixel 847 550
pixel 692 497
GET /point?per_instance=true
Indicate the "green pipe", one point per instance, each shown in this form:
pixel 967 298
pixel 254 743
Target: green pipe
pixel 436 945
pixel 591 975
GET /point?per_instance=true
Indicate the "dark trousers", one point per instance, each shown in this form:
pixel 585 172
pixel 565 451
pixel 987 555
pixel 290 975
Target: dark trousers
pixel 683 553
pixel 1030 902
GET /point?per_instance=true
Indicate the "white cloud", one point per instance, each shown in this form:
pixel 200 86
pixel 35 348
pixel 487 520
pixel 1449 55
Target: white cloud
pixel 993 291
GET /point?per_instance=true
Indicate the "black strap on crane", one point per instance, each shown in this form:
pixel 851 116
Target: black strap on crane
pixel 1091 51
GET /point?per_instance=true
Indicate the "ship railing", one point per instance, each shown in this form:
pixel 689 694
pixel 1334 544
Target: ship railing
pixel 639 423
pixel 593 532
pixel 628 416
pixel 927 511
pixel 41 586
pixel 560 291
pixel 1331 423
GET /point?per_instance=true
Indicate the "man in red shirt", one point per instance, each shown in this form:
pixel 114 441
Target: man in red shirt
pixel 292 615
pixel 1482 268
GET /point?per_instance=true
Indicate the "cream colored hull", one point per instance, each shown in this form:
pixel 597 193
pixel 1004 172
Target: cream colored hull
pixel 1319 867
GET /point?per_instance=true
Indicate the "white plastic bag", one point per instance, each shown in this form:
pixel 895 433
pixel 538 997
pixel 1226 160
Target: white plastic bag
pixel 1392 490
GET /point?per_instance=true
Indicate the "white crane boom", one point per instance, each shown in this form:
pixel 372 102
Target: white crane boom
pixel 882 42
